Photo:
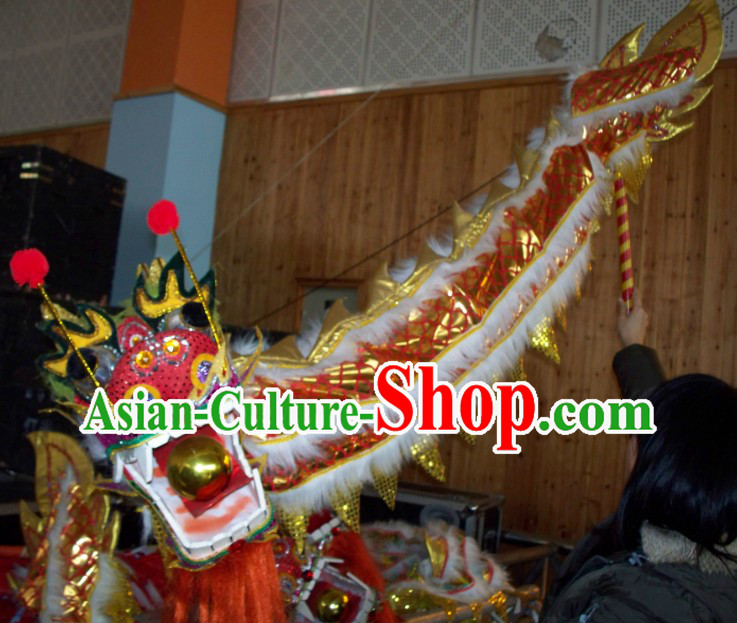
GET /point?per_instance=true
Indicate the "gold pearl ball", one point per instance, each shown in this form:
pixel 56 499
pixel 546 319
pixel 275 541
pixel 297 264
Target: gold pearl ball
pixel 198 468
pixel 330 605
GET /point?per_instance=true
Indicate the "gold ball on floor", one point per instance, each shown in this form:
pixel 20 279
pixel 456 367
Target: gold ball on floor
pixel 330 605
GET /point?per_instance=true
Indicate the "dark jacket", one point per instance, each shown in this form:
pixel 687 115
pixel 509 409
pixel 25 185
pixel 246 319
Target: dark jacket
pixel 644 586
pixel 638 371
pixel 632 590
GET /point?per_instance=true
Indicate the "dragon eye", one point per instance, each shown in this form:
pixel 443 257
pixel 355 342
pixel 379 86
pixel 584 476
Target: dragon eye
pixel 144 359
pixel 194 315
pixel 75 370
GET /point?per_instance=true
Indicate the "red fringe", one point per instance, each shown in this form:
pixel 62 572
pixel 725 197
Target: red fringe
pixel 351 548
pixel 243 587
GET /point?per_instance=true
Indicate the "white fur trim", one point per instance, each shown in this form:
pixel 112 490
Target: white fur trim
pixel 442 245
pixel 668 546
pixel 402 270
pixel 308 336
pixel 55 565
pixel 94 448
pixel 147 525
pixel 630 153
pixel 474 205
pixel 510 178
pixel 407 531
pixel 315 493
pixel 669 96
pixel 464 560
pixel 247 344
pixel 110 582
pixel 285 453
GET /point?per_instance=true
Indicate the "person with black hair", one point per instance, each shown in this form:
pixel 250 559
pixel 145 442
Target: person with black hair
pixel 669 552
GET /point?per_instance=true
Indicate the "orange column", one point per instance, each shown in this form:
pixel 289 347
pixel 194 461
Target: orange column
pixel 181 45
pixel 168 125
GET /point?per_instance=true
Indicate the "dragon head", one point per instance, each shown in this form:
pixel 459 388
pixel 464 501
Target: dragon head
pixel 162 344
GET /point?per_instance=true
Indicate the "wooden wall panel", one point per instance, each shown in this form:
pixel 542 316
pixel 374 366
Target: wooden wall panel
pixel 87 143
pixel 402 157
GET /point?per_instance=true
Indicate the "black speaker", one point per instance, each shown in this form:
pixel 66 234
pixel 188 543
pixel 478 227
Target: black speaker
pixel 68 209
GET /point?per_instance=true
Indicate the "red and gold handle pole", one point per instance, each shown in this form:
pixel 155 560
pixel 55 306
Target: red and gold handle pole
pixel 625 249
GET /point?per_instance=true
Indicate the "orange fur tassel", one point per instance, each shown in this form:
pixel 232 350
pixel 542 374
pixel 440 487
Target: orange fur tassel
pixel 243 587
pixel 350 547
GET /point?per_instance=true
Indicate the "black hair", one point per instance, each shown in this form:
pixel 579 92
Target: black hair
pixel 685 475
pixel 684 478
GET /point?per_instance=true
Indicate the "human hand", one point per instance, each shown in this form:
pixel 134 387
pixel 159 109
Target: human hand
pixel 632 328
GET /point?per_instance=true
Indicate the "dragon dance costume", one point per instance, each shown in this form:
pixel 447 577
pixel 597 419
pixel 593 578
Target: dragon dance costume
pixel 250 541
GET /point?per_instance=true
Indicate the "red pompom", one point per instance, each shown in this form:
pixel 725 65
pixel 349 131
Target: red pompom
pixel 29 267
pixel 163 217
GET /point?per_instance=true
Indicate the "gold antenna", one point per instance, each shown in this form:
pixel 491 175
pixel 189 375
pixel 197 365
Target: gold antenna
pixel 30 267
pixel 163 219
